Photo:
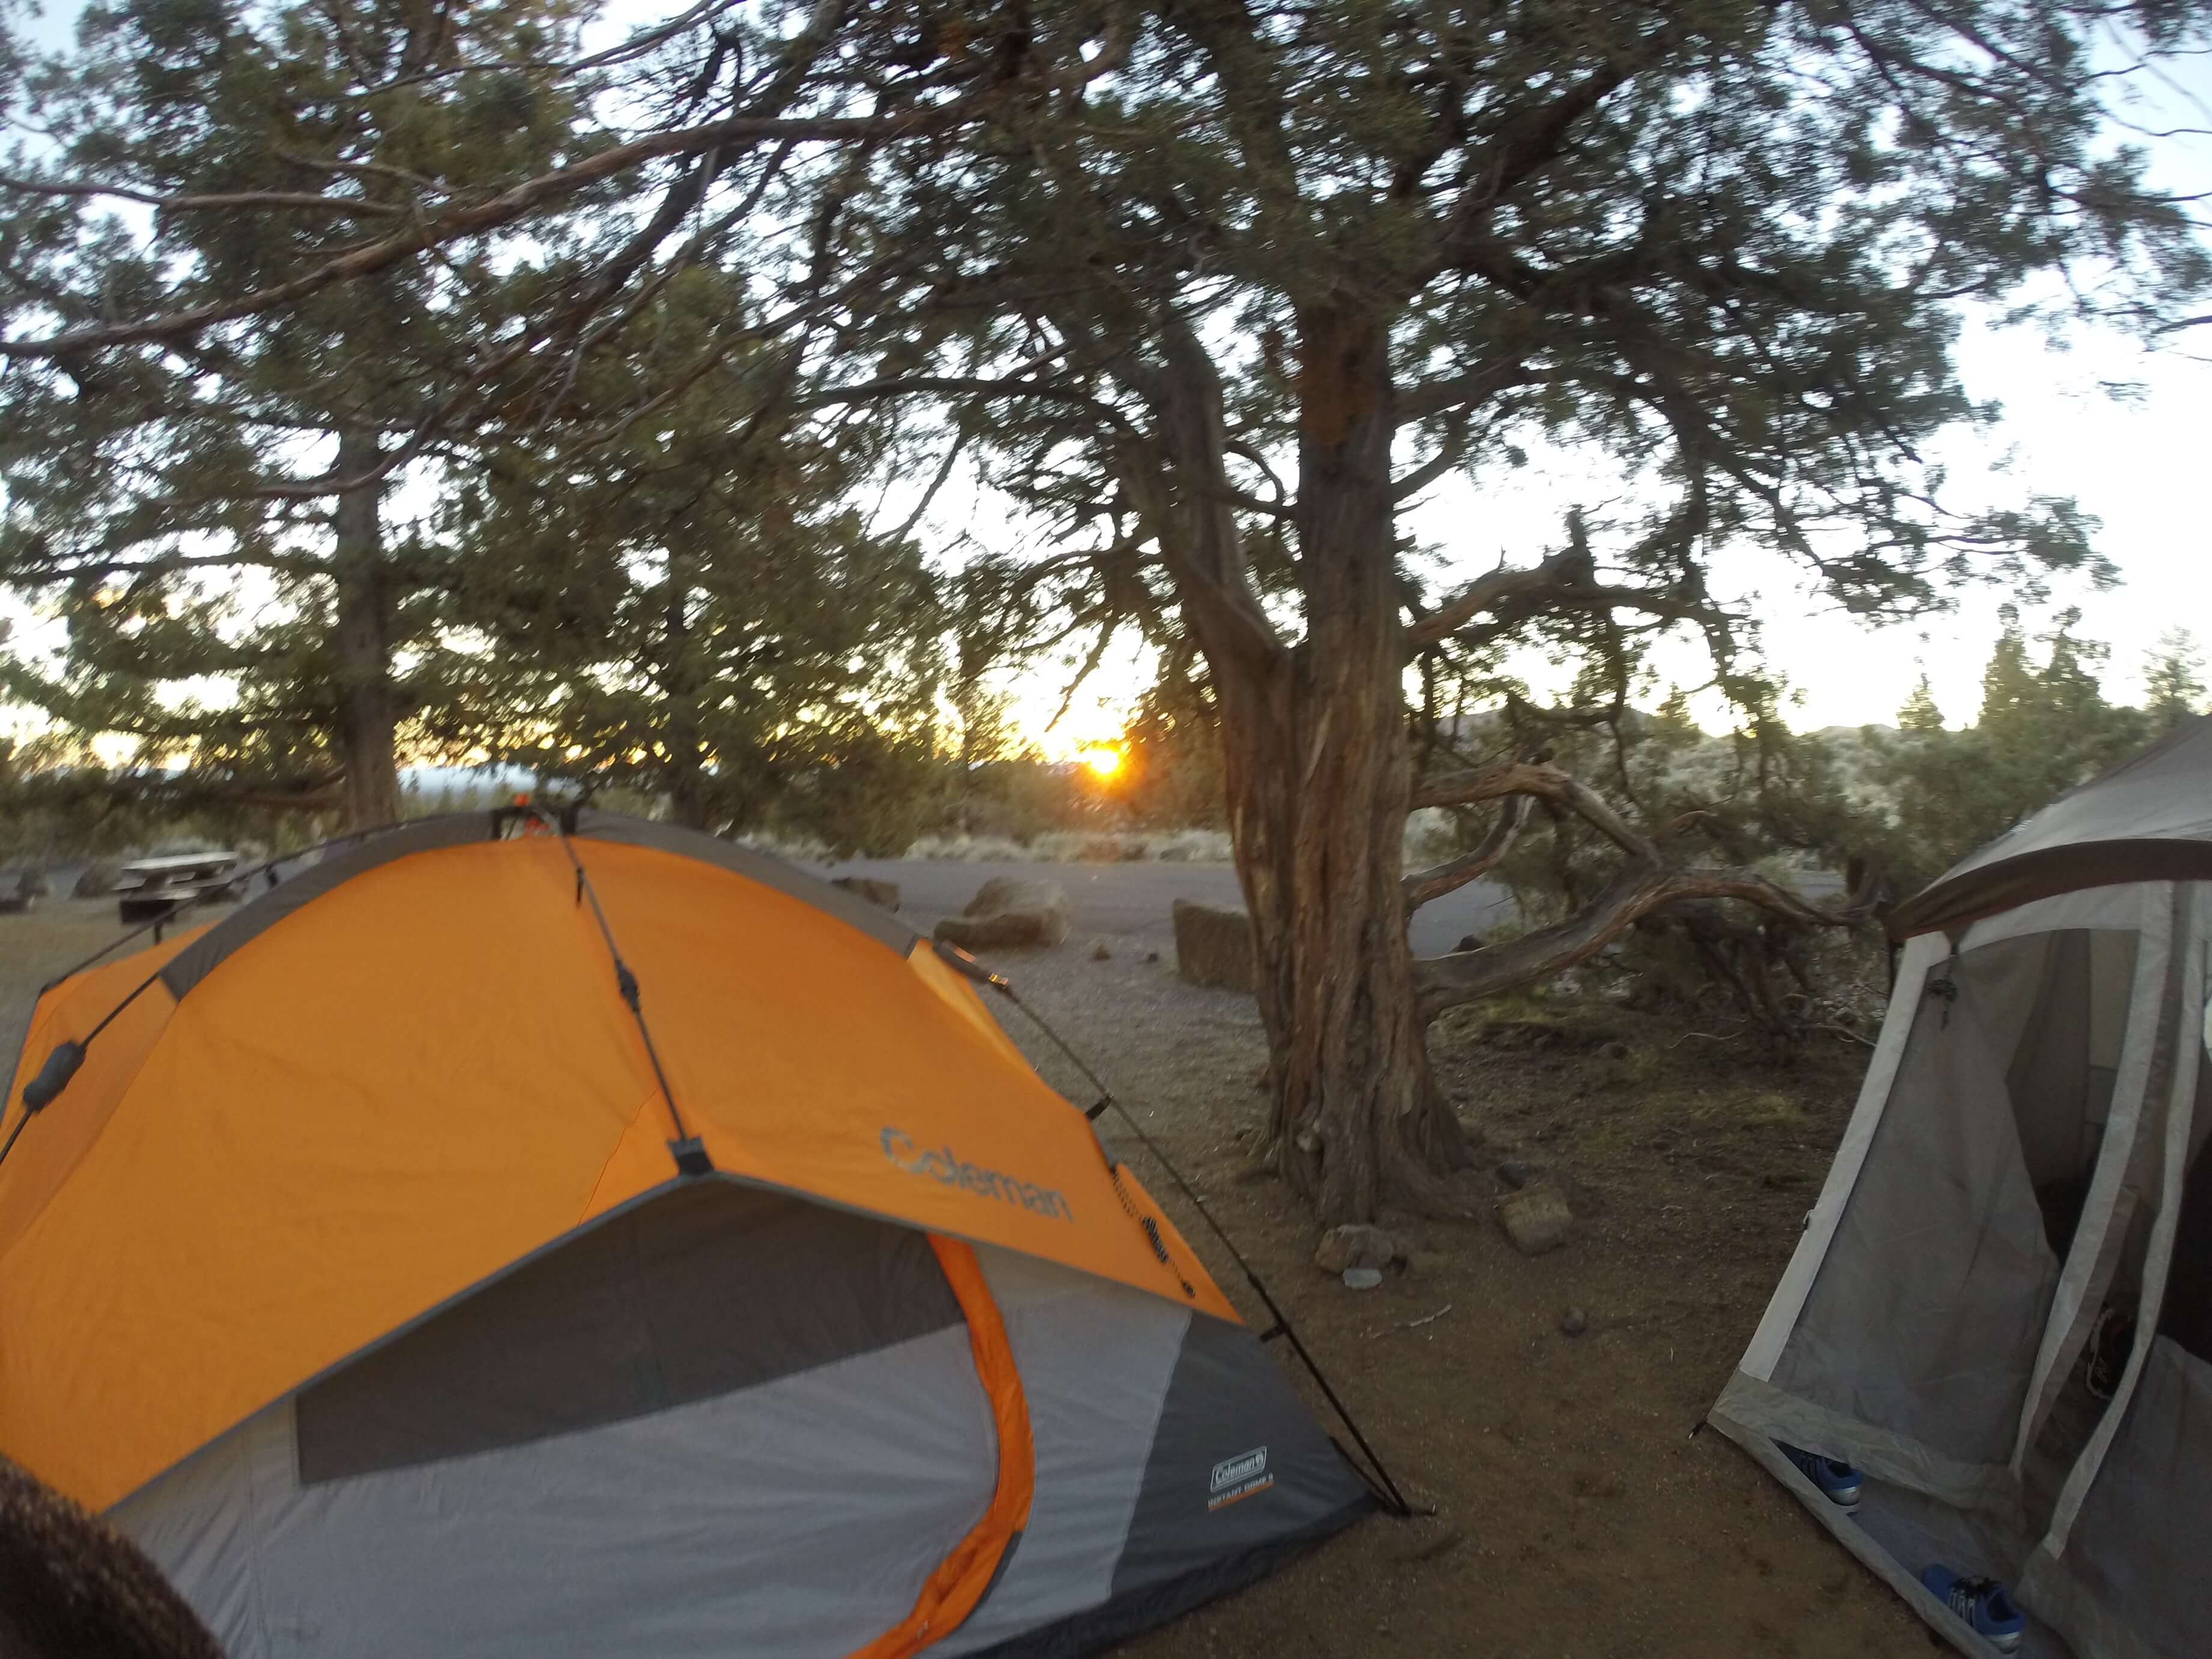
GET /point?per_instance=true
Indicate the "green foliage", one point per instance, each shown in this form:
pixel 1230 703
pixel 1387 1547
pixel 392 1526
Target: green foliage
pixel 2044 727
pixel 695 609
pixel 2173 680
pixel 176 509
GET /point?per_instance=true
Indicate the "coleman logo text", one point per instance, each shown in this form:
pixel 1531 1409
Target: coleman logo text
pixel 944 1164
pixel 1241 1476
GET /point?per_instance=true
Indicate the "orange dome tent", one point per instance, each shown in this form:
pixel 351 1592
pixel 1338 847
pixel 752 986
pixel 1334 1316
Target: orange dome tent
pixel 510 1242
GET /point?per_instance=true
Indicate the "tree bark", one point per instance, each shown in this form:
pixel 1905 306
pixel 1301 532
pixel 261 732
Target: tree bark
pixel 367 701
pixel 680 693
pixel 1318 773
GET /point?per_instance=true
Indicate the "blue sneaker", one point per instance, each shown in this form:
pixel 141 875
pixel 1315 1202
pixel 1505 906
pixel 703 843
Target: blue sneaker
pixel 1982 1602
pixel 1839 1483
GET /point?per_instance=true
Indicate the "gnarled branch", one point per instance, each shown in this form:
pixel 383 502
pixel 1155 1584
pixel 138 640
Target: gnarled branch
pixel 1424 886
pixel 1642 887
pixel 1528 778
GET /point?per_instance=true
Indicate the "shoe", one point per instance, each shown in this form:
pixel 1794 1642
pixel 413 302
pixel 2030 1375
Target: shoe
pixel 1839 1483
pixel 1984 1603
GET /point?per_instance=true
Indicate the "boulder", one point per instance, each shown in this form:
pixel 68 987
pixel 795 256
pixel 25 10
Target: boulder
pixel 1010 911
pixel 1355 1246
pixel 1536 1219
pixel 98 881
pixel 1214 946
pixel 885 893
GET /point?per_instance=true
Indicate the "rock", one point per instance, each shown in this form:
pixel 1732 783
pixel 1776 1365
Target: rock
pixel 1573 1322
pixel 1536 1219
pixel 1514 1173
pixel 98 881
pixel 34 885
pixel 1362 1278
pixel 1151 955
pixel 1101 952
pixel 885 893
pixel 1011 911
pixel 14 904
pixel 1469 942
pixel 1214 946
pixel 1613 1051
pixel 1355 1246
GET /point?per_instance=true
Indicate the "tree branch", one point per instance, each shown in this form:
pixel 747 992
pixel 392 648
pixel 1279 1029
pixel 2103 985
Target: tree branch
pixel 222 202
pixel 1641 888
pixel 1544 783
pixel 1424 886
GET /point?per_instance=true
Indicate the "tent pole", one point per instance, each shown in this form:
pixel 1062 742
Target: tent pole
pixel 1379 1482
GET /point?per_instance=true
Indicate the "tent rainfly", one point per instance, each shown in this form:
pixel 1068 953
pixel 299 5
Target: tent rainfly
pixel 2000 1312
pixel 402 1291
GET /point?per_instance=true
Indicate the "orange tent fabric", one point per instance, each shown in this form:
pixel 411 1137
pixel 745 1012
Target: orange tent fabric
pixel 332 1113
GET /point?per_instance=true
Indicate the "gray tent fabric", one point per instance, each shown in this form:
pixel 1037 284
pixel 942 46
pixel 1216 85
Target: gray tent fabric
pixel 728 1421
pixel 2140 1541
pixel 2149 818
pixel 2022 1205
pixel 2000 1308
pixel 712 1287
pixel 1917 1325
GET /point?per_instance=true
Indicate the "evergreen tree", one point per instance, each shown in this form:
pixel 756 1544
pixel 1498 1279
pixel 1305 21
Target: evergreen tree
pixel 2044 727
pixel 2173 679
pixel 1244 298
pixel 216 521
pixel 694 608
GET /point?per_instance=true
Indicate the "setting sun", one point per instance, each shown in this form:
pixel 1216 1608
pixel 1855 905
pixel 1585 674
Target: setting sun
pixel 1103 762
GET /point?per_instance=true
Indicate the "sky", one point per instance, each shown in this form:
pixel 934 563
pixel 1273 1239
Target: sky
pixel 2138 464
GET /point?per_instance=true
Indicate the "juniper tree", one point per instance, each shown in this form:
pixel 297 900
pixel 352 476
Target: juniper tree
pixel 1245 299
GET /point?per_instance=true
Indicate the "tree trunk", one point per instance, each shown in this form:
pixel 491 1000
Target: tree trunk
pixel 1357 1119
pixel 680 692
pixel 367 703
pixel 1318 774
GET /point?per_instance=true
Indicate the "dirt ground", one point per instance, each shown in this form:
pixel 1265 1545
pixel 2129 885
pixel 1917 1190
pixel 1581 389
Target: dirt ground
pixel 1576 1518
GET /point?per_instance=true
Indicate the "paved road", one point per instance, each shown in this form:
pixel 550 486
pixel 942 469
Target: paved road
pixel 1134 899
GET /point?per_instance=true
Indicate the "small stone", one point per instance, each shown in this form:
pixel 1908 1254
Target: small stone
pixel 884 893
pixel 1573 1322
pixel 1537 1220
pixel 1100 952
pixel 1613 1051
pixel 1362 1278
pixel 1354 1246
pixel 1514 1173
pixel 1469 942
pixel 1151 955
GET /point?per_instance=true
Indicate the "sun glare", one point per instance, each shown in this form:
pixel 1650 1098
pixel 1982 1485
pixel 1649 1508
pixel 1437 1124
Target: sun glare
pixel 1103 762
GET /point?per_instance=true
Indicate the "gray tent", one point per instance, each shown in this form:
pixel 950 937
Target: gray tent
pixel 2001 1309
